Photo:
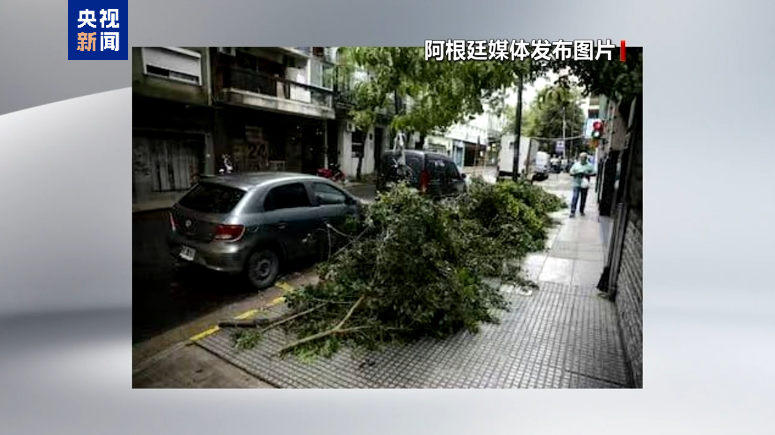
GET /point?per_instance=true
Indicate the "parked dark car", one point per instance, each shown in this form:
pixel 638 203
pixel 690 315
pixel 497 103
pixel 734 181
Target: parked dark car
pixel 251 223
pixel 433 174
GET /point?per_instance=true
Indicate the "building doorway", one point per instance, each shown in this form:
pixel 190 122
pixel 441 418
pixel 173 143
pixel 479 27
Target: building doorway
pixel 313 141
pixel 332 145
pixel 165 165
pixel 379 137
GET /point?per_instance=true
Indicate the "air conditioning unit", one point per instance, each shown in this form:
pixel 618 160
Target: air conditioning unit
pixel 350 127
pixel 228 51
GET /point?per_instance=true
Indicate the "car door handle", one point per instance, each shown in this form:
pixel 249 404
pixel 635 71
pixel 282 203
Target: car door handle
pixel 281 225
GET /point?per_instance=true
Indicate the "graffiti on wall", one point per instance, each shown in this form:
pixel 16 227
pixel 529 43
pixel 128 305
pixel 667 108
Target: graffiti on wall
pixel 255 151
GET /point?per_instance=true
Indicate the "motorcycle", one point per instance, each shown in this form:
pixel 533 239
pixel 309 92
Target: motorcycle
pixel 227 167
pixel 333 173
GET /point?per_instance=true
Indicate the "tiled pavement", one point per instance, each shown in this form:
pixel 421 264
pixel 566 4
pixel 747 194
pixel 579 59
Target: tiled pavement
pixel 560 336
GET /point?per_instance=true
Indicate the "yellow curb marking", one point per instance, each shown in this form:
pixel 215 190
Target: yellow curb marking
pixel 204 334
pixel 284 286
pixel 248 314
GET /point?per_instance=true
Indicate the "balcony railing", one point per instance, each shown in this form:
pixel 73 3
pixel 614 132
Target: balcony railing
pixel 345 98
pixel 264 84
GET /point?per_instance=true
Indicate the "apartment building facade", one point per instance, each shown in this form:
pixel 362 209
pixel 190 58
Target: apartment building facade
pixel 260 108
pixel 172 121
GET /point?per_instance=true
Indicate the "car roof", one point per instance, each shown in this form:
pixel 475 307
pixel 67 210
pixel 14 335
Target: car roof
pixel 250 180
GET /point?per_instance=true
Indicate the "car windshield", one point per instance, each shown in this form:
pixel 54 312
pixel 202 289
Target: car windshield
pixel 392 172
pixel 212 198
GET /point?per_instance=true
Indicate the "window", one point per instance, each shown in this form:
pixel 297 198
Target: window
pixel 435 168
pixel 451 171
pixel 414 164
pixel 173 63
pixel 321 74
pixel 212 198
pixel 315 72
pixel 328 195
pixel 288 196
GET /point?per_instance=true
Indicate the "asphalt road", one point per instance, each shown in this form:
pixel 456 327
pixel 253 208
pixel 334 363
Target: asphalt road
pixel 164 296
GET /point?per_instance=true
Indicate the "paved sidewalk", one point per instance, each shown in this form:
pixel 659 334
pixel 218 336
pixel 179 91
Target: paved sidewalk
pixel 560 336
pixel 172 359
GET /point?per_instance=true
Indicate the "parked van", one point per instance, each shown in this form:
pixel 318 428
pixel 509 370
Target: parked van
pixel 540 167
pixel 431 173
pixel 506 155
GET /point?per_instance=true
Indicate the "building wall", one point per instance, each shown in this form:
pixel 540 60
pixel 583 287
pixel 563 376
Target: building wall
pixel 629 285
pixel 259 140
pixel 438 144
pixel 164 88
pixel 172 145
pixel 347 162
pixel 470 132
pixel 629 298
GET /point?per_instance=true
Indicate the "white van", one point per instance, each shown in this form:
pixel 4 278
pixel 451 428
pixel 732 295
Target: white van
pixel 540 166
pixel 506 155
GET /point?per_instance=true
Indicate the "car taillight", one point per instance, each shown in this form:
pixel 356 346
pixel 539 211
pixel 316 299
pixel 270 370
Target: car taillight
pixel 425 180
pixel 172 223
pixel 229 232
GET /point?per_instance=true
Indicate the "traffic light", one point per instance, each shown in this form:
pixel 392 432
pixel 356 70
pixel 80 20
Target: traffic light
pixel 597 129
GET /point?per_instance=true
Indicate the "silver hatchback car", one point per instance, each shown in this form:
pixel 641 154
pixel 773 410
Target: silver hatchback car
pixel 252 223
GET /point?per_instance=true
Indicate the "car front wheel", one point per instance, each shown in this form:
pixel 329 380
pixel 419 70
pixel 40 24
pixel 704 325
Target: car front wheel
pixel 262 269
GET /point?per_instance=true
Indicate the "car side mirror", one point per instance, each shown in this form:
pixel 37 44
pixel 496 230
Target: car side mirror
pixel 463 176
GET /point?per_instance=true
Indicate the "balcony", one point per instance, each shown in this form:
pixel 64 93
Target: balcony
pixel 250 88
pixel 300 53
pixel 345 98
pixel 345 101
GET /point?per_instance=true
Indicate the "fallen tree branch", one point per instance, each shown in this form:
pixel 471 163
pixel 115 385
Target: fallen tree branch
pixel 274 322
pixel 335 330
pixel 350 313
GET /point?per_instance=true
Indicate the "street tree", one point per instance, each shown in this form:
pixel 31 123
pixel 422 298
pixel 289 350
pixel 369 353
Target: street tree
pixel 442 93
pixel 426 97
pixel 620 81
pixel 544 118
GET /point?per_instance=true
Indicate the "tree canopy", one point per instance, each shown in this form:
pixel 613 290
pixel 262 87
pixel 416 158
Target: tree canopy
pixel 434 95
pixel 543 118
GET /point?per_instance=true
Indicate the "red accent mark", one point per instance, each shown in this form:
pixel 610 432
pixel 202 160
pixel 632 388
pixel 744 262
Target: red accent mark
pixel 623 52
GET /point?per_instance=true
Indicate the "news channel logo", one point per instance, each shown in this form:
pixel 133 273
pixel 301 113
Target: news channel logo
pixel 97 30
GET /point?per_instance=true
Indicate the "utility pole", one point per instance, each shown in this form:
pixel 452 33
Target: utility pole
pixel 517 130
pixel 563 132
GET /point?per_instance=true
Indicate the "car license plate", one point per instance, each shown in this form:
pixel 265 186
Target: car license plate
pixel 187 253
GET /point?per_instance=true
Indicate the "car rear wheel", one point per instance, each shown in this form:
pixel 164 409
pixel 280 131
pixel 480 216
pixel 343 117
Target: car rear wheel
pixel 262 268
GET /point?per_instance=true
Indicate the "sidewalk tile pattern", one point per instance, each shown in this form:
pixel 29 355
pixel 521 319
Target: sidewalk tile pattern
pixel 559 337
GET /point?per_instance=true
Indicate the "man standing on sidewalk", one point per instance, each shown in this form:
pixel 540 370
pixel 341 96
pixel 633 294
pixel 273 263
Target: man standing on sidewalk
pixel 581 171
